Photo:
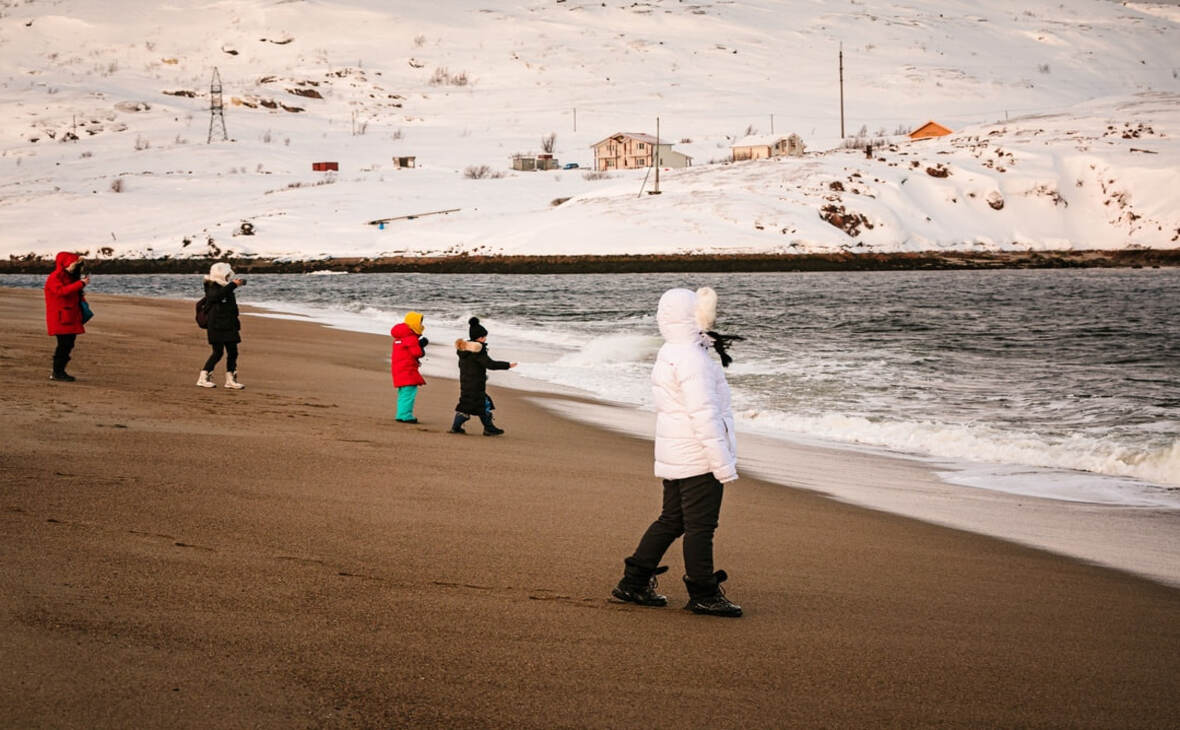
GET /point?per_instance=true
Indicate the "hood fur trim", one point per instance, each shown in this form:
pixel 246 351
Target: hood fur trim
pixel 706 309
pixel 468 346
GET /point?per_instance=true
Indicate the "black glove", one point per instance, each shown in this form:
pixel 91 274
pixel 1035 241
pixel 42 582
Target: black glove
pixel 423 342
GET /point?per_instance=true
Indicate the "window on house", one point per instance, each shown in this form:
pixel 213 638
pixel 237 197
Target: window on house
pixel 642 146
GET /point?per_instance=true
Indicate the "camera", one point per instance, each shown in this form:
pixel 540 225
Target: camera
pixel 241 281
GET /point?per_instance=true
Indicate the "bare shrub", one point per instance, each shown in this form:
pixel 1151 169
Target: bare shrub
pixel 443 77
pixel 266 137
pixel 549 142
pixel 419 40
pixel 862 140
pixel 902 129
pixel 117 185
pixel 86 154
pixel 596 175
pixel 686 140
pixel 1043 68
pixel 141 143
pixel 480 172
pixel 397 134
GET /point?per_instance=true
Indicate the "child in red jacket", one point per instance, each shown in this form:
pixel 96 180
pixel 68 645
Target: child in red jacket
pixel 65 309
pixel 408 347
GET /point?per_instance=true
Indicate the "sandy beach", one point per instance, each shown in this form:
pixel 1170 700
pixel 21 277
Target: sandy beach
pixel 289 556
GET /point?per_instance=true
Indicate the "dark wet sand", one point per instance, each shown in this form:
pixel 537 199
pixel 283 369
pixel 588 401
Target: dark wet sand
pixel 288 556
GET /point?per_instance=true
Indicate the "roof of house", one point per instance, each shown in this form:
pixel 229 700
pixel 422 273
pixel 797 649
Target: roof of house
pixel 931 128
pixel 638 136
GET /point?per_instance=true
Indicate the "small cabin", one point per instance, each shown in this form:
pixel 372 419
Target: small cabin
pixel 529 163
pixel 325 166
pixel 400 162
pixel 763 147
pixel 929 129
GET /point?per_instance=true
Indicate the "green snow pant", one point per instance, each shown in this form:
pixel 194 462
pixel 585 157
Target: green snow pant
pixel 405 402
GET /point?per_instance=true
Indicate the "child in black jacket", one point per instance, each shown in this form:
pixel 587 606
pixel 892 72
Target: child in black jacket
pixel 474 364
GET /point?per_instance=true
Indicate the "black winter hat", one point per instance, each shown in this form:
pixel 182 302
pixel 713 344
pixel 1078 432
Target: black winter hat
pixel 475 330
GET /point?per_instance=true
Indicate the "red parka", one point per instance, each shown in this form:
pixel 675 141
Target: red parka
pixel 63 298
pixel 406 354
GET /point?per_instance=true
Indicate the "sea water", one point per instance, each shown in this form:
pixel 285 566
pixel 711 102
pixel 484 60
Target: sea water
pixel 1059 383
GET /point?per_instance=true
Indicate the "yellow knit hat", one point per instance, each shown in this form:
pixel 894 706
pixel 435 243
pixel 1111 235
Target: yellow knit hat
pixel 414 320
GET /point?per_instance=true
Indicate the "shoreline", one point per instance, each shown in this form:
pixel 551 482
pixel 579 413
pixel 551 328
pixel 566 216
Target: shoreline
pixel 288 556
pixel 1136 538
pixel 593 264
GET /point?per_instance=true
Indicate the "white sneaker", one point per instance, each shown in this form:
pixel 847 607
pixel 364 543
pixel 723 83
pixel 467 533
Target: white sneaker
pixel 231 381
pixel 204 381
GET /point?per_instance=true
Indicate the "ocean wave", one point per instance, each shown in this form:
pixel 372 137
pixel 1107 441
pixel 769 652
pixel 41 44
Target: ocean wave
pixel 984 443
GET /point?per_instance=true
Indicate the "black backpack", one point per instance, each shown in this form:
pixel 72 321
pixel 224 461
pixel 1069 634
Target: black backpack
pixel 203 313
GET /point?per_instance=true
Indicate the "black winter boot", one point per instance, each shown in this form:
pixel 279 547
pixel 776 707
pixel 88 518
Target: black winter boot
pixel 489 428
pixel 457 424
pixel 59 370
pixel 708 598
pixel 639 586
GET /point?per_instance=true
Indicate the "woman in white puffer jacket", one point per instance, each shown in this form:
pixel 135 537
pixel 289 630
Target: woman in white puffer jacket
pixel 695 453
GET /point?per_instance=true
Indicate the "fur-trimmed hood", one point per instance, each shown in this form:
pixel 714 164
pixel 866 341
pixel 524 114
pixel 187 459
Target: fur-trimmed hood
pixel 684 315
pixel 220 273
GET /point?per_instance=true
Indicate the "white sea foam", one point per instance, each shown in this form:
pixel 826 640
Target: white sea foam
pixel 982 444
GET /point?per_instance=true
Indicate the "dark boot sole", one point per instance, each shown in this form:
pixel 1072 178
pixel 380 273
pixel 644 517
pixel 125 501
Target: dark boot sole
pixel 618 596
pixel 718 614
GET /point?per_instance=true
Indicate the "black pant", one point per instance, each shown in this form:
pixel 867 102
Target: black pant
pixel 691 508
pixel 231 362
pixel 61 355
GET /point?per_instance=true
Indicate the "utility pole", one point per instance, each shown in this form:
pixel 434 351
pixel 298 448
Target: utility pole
pixel 216 108
pixel 772 124
pixel 575 119
pixel 655 157
pixel 841 90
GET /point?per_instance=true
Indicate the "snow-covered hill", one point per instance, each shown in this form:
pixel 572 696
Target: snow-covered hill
pixel 1066 119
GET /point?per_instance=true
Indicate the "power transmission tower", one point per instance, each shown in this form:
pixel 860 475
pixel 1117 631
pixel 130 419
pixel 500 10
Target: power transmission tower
pixel 841 90
pixel 216 108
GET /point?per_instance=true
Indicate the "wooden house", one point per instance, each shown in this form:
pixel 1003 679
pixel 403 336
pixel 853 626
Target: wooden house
pixel 404 161
pixel 929 129
pixel 761 147
pixel 632 151
pixel 325 166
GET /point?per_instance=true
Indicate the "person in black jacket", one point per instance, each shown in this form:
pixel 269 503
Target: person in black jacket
pixel 224 330
pixel 474 364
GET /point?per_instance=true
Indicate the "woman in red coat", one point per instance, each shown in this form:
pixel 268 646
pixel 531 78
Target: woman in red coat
pixel 63 309
pixel 408 347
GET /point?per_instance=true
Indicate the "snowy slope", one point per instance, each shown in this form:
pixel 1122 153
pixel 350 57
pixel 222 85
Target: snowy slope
pixel 1067 113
